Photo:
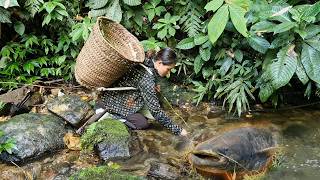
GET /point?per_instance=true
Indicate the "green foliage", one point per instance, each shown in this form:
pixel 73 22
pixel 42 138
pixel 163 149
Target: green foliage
pixel 9 3
pixel 7 145
pixel 167 26
pixel 235 9
pixel 102 172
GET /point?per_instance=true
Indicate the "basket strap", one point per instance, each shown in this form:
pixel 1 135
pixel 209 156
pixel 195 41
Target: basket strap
pixel 116 89
pixel 146 68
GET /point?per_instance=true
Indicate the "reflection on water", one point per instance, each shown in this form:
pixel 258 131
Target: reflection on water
pixel 299 132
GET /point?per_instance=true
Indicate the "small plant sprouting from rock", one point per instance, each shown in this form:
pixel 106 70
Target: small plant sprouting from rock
pixel 7 145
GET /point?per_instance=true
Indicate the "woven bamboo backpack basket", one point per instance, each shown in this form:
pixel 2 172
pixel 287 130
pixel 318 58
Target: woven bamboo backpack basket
pixel 110 51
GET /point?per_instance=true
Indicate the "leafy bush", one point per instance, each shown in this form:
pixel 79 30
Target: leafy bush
pixel 239 51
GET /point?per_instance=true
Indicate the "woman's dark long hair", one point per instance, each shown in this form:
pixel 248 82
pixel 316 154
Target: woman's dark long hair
pixel 167 56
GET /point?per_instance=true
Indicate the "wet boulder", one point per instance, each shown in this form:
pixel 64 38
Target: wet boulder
pixel 163 171
pixel 33 134
pixel 110 138
pixel 71 108
pixel 243 150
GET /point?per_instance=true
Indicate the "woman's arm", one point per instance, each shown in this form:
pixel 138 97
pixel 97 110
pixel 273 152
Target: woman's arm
pixel 147 89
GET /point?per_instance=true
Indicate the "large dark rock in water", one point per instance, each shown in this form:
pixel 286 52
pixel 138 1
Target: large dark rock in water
pixel 243 150
pixel 34 135
pixel 71 108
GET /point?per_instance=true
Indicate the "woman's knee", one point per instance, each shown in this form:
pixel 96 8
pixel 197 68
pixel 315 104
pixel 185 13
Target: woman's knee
pixel 138 120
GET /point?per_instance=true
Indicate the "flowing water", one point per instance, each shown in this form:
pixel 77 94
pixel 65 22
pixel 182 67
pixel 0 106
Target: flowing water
pixel 298 130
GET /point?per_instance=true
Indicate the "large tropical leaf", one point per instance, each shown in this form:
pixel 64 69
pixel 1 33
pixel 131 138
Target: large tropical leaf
pixel 114 11
pixel 238 20
pixel 187 43
pixel 97 4
pixel 198 63
pixel 258 43
pixel 213 5
pixel 310 59
pixel 282 70
pixel 283 27
pixel 132 2
pixel 266 90
pixel 218 23
pixel 4 15
pixel 301 73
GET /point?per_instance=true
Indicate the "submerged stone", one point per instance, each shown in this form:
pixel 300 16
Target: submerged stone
pixel 163 171
pixel 109 137
pixel 34 135
pixel 71 108
pixel 102 173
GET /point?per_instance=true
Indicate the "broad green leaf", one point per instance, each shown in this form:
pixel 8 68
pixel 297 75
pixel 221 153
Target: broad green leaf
pixel 282 70
pixel 187 43
pixel 238 55
pixel 49 6
pixel 281 40
pixel 114 11
pixel 213 5
pixel 205 53
pixel 198 63
pixel 314 42
pixel 97 4
pixel 9 3
pixel 19 27
pixel 258 43
pixel 312 30
pixel 238 20
pixel 162 34
pixel 240 3
pixel 283 27
pixel 308 90
pixel 200 39
pixel 265 92
pixel 132 2
pixel 4 16
pixel 301 73
pixel 310 59
pixel 227 62
pixel 98 12
pixel 218 23
pixel 263 26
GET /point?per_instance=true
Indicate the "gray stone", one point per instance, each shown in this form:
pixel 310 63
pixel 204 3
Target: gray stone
pixel 34 135
pixel 71 108
pixel 163 171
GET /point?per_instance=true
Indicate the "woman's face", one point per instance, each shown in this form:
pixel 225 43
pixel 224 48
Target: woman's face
pixel 162 69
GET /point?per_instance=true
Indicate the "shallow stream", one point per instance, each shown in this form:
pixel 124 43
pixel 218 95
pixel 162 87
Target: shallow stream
pixel 299 132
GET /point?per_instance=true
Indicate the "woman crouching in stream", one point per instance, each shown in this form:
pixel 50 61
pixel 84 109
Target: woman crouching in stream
pixel 135 105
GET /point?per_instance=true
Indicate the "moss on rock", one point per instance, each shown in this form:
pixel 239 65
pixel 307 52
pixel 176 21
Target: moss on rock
pixel 101 173
pixel 107 130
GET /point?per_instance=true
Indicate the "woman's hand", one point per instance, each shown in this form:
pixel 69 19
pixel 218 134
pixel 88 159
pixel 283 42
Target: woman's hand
pixel 183 133
pixel 157 88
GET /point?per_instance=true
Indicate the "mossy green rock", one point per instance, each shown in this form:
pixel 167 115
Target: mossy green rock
pixel 103 173
pixel 71 108
pixel 34 135
pixel 109 137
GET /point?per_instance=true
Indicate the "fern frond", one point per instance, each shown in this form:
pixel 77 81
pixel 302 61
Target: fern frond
pixel 190 21
pixel 33 6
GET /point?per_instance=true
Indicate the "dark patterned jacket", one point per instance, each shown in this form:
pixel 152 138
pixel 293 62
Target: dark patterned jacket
pixel 127 102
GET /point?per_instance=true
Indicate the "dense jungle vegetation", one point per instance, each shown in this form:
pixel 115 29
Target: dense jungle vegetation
pixel 239 51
